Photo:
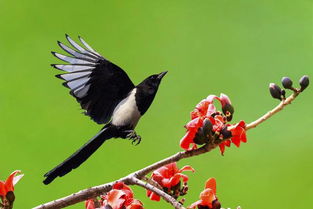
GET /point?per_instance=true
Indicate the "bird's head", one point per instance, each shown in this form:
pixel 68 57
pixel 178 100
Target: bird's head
pixel 152 82
pixel 227 108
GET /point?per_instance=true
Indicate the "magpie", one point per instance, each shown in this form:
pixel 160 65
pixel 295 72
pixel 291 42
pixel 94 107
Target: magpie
pixel 107 96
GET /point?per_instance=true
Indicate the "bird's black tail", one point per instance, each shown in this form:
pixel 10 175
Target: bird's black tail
pixel 80 155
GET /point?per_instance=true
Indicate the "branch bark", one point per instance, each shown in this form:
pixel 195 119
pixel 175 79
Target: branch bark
pixel 275 110
pixel 135 177
pixel 159 192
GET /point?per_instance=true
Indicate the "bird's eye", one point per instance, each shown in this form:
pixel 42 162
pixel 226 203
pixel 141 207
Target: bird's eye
pixel 228 114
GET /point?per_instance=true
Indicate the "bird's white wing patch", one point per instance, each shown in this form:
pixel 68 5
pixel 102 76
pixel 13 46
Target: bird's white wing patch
pixel 72 76
pixel 77 83
pixel 73 60
pixel 81 91
pixel 73 68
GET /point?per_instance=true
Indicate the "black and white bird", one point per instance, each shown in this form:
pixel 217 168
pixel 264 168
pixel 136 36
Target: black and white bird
pixel 106 94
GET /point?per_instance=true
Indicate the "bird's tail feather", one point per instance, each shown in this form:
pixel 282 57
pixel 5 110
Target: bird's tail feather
pixel 80 155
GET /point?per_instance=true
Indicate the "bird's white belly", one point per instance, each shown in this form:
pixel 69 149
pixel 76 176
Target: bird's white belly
pixel 126 112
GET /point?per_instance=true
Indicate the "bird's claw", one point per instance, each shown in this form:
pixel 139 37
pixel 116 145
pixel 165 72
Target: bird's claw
pixel 133 136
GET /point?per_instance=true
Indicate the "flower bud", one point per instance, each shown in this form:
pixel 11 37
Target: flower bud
pixel 207 127
pixel 216 204
pixel 200 138
pixel 286 82
pixel 108 207
pixel 275 91
pixel 283 93
pixel 228 111
pixel 304 82
pixel 226 134
pixel 10 197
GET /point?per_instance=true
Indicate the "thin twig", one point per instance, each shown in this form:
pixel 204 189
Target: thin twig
pixel 159 192
pixel 278 108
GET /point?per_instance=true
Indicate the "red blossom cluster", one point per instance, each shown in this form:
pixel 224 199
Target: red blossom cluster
pixel 208 125
pixel 208 199
pixel 7 188
pixel 169 178
pixel 120 197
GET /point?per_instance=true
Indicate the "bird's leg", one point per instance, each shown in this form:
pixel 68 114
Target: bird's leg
pixel 131 134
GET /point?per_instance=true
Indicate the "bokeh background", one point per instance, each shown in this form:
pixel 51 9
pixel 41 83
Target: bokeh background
pixel 235 47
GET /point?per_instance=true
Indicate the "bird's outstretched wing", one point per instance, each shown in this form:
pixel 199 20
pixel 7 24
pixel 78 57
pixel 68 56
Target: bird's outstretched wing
pixel 96 83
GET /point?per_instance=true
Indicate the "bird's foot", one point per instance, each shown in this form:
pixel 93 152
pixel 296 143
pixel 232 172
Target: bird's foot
pixel 133 136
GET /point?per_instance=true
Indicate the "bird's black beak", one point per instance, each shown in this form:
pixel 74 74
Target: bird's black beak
pixel 161 75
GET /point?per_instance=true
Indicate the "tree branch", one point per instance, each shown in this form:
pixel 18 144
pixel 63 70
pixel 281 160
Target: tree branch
pixel 135 177
pixel 101 189
pixel 159 192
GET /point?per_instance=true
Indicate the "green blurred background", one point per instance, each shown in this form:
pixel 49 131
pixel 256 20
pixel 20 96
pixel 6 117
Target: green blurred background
pixel 208 47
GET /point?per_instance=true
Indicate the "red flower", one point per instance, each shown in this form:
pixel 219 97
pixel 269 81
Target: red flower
pixel 192 128
pixel 201 132
pixel 120 197
pixel 238 133
pixel 208 199
pixel 168 176
pixel 8 185
pixel 223 144
pixel 203 110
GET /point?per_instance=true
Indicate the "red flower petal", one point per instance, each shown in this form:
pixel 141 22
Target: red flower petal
pixel 211 110
pixel 227 143
pixel 136 204
pixel 207 196
pixel 211 97
pixel 153 196
pixel 126 189
pixel 194 124
pixel 211 184
pixel 223 144
pixel 236 141
pixel 174 180
pixel 12 180
pixel 89 204
pixel 116 198
pixel 222 148
pixel 172 168
pixel 224 99
pixel 194 114
pixel 187 140
pixel 3 191
pixel 202 107
pixel 186 168
pixel 238 132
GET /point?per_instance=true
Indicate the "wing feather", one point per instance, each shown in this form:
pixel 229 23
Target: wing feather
pixel 96 83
